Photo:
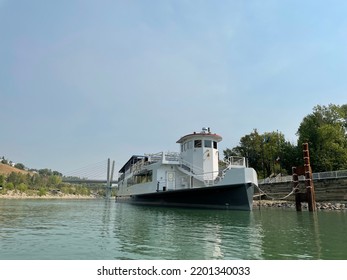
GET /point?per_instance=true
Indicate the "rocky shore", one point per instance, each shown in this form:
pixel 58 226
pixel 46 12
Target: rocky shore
pixel 291 204
pixel 18 195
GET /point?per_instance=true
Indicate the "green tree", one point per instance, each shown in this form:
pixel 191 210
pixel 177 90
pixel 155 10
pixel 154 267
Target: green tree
pixel 267 153
pixel 2 180
pixel 36 181
pixel 325 132
pixel 19 166
pixel 22 187
pixel 9 186
pixel 16 178
pixel 54 180
pixel 45 172
pixel 56 173
pixel 42 191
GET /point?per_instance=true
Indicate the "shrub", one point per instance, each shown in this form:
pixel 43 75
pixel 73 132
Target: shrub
pixel 42 191
pixel 22 187
pixel 10 186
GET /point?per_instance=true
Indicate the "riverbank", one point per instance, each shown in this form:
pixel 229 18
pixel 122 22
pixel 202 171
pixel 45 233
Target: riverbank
pixel 58 195
pixel 291 204
pixel 256 203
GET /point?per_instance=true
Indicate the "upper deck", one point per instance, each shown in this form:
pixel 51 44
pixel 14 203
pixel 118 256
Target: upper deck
pixel 162 157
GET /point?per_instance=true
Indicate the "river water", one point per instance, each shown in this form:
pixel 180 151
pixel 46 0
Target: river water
pixel 105 230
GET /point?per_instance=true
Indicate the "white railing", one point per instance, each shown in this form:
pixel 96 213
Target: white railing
pixel 163 157
pixel 208 178
pixel 186 182
pixel 211 178
pixel 155 157
pixel 316 176
pixel 189 167
pixel 236 161
pixel 171 156
pixel 330 175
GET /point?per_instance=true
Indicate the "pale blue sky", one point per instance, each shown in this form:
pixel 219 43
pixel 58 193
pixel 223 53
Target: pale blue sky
pixel 81 81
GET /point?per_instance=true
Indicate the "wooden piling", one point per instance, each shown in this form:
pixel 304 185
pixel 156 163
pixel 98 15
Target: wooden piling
pixel 309 196
pixel 310 193
pixel 296 189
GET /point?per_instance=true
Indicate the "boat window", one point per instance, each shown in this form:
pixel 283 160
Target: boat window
pixel 190 144
pixel 197 144
pixel 185 146
pixel 181 147
pixel 141 178
pixel 208 144
pixel 214 145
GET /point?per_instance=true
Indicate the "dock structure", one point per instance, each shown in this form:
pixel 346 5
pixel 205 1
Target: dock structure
pixel 308 196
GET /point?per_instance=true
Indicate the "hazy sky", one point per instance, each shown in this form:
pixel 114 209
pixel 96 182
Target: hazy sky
pixel 81 81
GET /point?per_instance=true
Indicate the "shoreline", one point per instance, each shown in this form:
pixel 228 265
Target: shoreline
pixel 331 205
pixel 16 195
pixel 340 206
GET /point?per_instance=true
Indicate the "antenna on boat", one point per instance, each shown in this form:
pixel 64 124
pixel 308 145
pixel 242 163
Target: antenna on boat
pixel 206 130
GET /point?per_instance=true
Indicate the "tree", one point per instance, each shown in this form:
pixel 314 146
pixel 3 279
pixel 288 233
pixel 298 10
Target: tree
pixel 36 181
pixel 2 180
pixel 19 166
pixel 267 153
pixel 325 132
pixel 22 187
pixel 56 173
pixel 45 172
pixel 9 186
pixel 16 178
pixel 54 180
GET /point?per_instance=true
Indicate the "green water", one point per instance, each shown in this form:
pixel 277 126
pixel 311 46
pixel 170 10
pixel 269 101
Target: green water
pixel 104 230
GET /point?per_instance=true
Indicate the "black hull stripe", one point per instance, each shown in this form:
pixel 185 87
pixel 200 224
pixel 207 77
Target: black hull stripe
pixel 233 197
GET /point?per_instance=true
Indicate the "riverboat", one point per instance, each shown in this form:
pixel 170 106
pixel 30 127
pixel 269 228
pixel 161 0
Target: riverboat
pixel 194 177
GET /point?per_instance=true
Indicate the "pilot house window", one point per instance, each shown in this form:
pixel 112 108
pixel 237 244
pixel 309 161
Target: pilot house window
pixel 208 144
pixel 197 144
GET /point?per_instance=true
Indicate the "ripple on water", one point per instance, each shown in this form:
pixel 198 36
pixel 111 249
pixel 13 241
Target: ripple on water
pixel 103 230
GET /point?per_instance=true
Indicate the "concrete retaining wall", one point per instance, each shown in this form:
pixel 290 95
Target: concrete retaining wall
pixel 326 190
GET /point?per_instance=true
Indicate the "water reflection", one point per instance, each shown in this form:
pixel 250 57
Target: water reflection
pixel 102 229
pixel 187 234
pixel 288 234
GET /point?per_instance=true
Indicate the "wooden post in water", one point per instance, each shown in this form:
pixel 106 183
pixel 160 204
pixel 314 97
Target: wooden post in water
pixel 310 193
pixel 296 189
pixel 309 196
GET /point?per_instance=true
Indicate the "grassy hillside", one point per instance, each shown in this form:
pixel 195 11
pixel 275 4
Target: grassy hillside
pixel 6 169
